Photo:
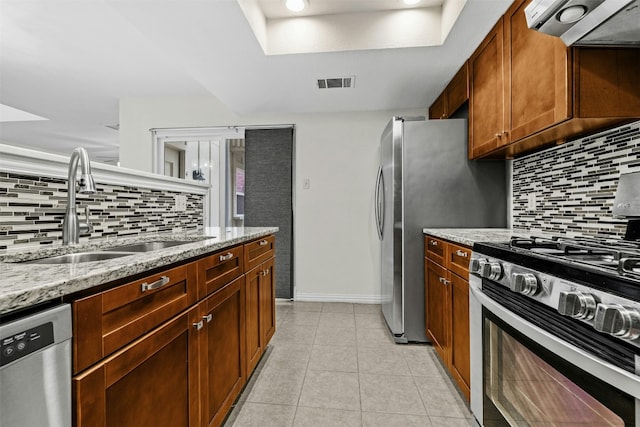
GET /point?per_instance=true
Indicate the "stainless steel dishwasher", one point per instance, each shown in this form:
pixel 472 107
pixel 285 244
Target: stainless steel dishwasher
pixel 35 370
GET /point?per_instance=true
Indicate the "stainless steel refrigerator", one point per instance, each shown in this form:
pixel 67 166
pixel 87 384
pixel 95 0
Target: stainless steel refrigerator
pixel 426 181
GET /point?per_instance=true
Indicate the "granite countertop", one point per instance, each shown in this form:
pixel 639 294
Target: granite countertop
pixel 469 236
pixel 23 285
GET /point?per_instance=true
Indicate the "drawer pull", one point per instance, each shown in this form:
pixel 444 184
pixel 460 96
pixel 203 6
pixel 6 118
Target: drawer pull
pixel 462 253
pixel 226 257
pixel 208 317
pixel 263 243
pixel 155 285
pixel 433 243
pixel 444 281
pixel 265 272
pixel 198 325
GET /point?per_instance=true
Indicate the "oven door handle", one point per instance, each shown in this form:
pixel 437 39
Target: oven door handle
pixel 613 375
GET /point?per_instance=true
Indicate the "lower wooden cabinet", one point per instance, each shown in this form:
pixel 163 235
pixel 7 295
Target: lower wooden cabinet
pixel 447 307
pixel 151 382
pixel 260 306
pixel 222 351
pixel 187 370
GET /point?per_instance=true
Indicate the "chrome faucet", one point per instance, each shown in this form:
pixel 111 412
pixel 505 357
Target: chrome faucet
pixel 71 227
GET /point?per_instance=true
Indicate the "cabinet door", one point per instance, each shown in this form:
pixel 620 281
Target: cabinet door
pixel 460 360
pixel 252 307
pixel 437 308
pixel 538 67
pixel 267 302
pixel 223 351
pixel 435 249
pixel 457 90
pixel 437 109
pixel 487 101
pixel 151 382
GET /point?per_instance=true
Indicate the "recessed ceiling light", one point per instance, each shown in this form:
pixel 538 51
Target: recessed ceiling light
pixel 296 5
pixel 411 2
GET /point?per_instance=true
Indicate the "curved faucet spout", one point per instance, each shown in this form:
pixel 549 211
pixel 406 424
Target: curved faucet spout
pixel 86 185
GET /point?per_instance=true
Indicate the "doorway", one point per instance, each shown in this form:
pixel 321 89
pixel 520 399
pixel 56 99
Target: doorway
pixel 250 177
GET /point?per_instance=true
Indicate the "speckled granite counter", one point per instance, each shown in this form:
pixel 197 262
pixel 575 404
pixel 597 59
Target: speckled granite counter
pixel 23 285
pixel 469 236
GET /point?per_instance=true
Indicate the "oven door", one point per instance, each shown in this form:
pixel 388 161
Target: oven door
pixel 522 375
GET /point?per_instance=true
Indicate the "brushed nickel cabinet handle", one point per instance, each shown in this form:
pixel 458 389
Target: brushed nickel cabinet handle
pixel 444 281
pixel 199 325
pixel 208 317
pixel 263 243
pixel 498 135
pixel 462 253
pixel 226 257
pixel 433 243
pixel 155 285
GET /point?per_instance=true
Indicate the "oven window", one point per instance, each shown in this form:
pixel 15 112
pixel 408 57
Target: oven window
pixel 525 387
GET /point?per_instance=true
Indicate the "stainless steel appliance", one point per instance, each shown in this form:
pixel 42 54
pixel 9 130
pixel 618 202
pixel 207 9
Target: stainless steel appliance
pixel 425 180
pixel 35 370
pixel 587 22
pixel 555 327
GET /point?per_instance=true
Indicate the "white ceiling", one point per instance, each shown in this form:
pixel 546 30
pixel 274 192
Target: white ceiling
pixel 72 60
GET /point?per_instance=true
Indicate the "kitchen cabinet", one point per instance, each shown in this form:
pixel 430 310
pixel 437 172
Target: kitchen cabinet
pixel 151 382
pixel 107 321
pixel 528 90
pixel 222 351
pixel 260 300
pixel 454 95
pixel 171 348
pixel 447 306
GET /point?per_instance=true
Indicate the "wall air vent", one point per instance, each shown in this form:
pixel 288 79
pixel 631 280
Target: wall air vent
pixel 337 82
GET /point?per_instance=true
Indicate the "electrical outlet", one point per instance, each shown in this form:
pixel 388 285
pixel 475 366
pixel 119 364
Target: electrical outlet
pixel 306 184
pixel 531 202
pixel 180 203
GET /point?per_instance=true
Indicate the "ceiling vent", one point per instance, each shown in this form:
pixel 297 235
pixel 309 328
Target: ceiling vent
pixel 337 82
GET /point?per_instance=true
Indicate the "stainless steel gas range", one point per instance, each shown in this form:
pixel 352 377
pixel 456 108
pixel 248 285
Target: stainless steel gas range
pixel 555 332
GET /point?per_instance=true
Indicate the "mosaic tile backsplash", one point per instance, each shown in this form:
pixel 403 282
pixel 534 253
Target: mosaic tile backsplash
pixel 574 184
pixel 32 210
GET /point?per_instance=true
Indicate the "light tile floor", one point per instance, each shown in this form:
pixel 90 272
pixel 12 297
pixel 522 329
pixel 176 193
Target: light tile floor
pixel 335 364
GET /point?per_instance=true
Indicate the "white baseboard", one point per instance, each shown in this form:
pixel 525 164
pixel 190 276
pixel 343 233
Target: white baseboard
pixel 358 299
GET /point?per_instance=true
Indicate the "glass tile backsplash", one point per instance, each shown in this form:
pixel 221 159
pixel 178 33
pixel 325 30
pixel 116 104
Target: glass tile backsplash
pixel 32 209
pixel 569 189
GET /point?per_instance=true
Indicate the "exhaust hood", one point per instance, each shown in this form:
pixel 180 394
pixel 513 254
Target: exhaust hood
pixel 587 22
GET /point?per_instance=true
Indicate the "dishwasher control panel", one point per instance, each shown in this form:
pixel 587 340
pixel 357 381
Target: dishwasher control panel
pixel 18 345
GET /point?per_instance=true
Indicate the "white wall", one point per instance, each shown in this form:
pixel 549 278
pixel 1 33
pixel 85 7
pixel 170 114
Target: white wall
pixel 335 243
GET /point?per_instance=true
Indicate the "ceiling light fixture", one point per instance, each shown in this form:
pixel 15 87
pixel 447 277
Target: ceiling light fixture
pixel 411 2
pixel 296 5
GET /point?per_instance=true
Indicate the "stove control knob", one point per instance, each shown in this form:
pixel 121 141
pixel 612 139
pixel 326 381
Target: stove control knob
pixel 617 320
pixel 491 270
pixel 476 265
pixel 577 305
pixel 523 283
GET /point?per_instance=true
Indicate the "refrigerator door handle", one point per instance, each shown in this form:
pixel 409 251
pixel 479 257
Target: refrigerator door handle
pixel 379 208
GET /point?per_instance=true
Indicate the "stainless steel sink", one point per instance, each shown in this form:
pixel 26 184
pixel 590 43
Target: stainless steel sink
pixel 148 246
pixel 80 257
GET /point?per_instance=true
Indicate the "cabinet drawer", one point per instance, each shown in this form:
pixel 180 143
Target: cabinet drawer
pixel 458 260
pixel 435 249
pixel 218 269
pixel 107 321
pixel 259 251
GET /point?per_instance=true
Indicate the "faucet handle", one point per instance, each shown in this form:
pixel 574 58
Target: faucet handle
pixel 86 227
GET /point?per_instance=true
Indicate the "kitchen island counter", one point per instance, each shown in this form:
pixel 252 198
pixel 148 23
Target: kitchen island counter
pixel 23 285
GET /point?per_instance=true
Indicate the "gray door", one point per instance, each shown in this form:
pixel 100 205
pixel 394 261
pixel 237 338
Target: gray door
pixel 268 195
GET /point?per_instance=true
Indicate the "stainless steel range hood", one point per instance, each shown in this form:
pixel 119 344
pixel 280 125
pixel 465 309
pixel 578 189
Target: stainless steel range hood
pixel 587 22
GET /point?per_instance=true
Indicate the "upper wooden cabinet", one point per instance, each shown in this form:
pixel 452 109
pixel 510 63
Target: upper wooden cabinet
pixel 454 95
pixel 528 90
